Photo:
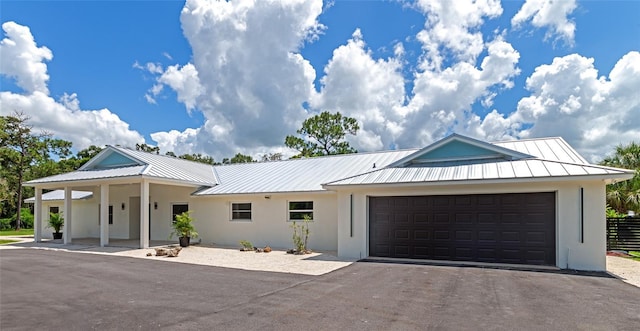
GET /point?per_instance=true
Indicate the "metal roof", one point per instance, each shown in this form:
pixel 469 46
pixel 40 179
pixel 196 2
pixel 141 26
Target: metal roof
pixel 531 159
pixel 506 170
pixel 59 195
pixel 296 175
pixel 148 165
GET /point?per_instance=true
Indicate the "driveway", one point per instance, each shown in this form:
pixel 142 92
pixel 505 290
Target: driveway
pixel 64 290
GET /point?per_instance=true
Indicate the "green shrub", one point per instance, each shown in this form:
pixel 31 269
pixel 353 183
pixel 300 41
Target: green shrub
pixel 5 224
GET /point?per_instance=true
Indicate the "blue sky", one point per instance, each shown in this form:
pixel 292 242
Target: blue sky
pixel 217 78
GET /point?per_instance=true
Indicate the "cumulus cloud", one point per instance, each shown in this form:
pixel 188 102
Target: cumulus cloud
pixel 247 76
pixel 550 14
pixel 23 60
pixel 455 28
pixel 372 91
pixel 568 99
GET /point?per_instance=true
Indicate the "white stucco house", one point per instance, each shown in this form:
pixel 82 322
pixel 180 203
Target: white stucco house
pixel 533 202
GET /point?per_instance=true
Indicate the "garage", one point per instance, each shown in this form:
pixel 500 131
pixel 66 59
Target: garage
pixel 514 228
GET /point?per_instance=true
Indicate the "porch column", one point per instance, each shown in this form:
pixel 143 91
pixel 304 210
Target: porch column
pixel 144 214
pixel 37 210
pixel 104 215
pixel 66 229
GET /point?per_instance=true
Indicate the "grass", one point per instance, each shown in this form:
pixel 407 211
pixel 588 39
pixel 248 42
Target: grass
pixel 635 255
pixel 22 232
pixel 7 241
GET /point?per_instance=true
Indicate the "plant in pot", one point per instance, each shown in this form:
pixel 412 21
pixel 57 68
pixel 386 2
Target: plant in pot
pixel 56 222
pixel 183 228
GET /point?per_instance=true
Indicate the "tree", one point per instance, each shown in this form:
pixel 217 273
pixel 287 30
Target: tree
pixel 271 157
pixel 198 158
pixel 324 134
pixel 239 158
pixel 624 196
pixel 148 148
pixel 22 153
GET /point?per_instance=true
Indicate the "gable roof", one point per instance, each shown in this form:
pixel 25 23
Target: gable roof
pixel 532 159
pixel 119 162
pixel 458 148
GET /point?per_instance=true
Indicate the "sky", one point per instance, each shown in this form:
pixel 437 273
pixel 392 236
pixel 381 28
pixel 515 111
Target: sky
pixel 218 77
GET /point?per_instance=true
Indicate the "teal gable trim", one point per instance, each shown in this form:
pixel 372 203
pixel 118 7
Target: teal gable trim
pixel 455 150
pixel 114 160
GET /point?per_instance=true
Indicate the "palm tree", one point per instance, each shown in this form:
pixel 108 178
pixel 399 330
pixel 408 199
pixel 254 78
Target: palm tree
pixel 624 196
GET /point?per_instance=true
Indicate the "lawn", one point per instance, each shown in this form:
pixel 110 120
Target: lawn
pixel 635 255
pixel 7 241
pixel 22 232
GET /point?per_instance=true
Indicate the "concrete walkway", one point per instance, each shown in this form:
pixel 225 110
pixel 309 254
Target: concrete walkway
pixel 625 269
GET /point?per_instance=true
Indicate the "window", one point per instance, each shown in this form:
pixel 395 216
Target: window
pixel 298 210
pixel 177 209
pixel 54 210
pixel 241 211
pixel 110 214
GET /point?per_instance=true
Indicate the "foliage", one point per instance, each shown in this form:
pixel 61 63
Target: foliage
pixel 239 158
pixel 56 221
pixel 624 196
pixel 271 157
pixel 26 217
pixel 612 213
pixel 247 245
pixel 25 155
pixel 148 148
pixel 5 224
pixel 198 158
pixel 183 226
pixel 324 134
pixel 301 235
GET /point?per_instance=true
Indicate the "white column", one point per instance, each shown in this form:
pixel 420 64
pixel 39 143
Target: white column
pixel 66 230
pixel 104 215
pixel 37 210
pixel 144 214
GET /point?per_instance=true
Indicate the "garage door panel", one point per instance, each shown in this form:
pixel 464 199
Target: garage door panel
pixel 501 228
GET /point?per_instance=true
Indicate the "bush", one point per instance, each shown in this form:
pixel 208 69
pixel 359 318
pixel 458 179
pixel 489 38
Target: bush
pixel 26 219
pixel 5 224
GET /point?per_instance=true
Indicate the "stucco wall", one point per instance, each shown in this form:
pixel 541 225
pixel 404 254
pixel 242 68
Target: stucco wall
pixel 570 252
pixel 269 225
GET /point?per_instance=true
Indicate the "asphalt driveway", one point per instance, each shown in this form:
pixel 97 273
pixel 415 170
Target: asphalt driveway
pixel 72 291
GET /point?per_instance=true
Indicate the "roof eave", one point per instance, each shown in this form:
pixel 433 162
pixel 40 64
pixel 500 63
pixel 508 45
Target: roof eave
pixel 608 179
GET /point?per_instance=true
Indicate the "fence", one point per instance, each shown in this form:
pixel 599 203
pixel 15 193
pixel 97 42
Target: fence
pixel 623 233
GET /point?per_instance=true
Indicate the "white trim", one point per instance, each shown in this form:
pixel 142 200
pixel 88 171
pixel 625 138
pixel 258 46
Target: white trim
pixel 312 210
pixel 231 219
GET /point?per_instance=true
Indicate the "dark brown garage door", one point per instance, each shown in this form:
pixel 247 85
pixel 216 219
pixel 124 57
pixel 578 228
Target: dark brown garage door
pixel 500 228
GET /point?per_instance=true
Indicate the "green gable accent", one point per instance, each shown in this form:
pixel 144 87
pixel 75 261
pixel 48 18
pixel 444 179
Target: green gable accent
pixel 114 160
pixel 456 150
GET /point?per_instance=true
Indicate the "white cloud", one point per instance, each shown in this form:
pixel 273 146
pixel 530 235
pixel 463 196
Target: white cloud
pixel 568 99
pixel 22 59
pixel 372 91
pixel 552 14
pixel 454 27
pixel 246 77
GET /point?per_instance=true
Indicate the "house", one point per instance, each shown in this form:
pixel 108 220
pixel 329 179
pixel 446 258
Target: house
pixel 533 202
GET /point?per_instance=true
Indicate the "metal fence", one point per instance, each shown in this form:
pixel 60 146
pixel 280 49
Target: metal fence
pixel 623 233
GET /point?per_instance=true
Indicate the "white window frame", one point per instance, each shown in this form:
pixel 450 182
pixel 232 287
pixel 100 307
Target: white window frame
pixel 289 210
pixel 231 211
pixel 176 204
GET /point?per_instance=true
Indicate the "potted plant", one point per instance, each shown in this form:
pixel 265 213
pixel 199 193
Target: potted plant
pixel 183 228
pixel 56 222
